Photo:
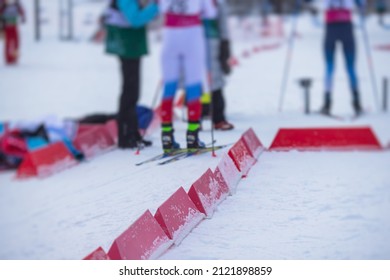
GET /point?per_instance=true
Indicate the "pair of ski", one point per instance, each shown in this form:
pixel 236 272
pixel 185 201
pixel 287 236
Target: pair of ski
pixel 179 154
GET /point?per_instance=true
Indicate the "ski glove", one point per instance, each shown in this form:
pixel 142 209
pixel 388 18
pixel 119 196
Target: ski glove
pixel 224 56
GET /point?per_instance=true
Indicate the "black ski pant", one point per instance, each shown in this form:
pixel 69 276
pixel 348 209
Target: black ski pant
pixel 127 113
pixel 218 104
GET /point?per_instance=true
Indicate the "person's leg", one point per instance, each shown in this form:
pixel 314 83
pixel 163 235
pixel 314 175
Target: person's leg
pixel 170 62
pixel 8 44
pixel 219 119
pixel 329 53
pixel 349 49
pixel 128 134
pixel 218 106
pixel 217 83
pixel 194 66
pixel 16 44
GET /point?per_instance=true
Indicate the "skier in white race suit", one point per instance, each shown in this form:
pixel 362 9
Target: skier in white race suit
pixel 183 57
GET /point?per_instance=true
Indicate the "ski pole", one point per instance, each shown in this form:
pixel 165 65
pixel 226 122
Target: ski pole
pixel 287 61
pixel 385 93
pixel 156 93
pixel 154 102
pixel 211 113
pixel 370 62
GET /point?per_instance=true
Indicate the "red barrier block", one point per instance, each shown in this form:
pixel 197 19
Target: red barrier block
pixel 246 53
pixel 178 215
pixel 85 127
pixel 256 49
pixel 242 157
pixel 229 172
pixel 383 47
pixel 46 161
pixel 233 62
pixel 94 141
pixel 345 138
pixel 206 193
pixel 253 143
pixel 98 254
pixel 223 186
pixel 270 47
pixel 112 128
pixel 143 240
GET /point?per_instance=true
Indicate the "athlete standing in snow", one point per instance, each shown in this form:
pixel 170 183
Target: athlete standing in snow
pixel 218 54
pixel 381 8
pixel 11 12
pixel 339 28
pixel 126 38
pixel 183 55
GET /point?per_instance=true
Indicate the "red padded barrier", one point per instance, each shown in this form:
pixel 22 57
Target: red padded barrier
pixel 342 138
pixel 207 193
pixel 85 127
pixel 94 141
pixel 246 54
pixel 253 143
pixel 178 215
pixel 98 254
pixel 143 240
pixel 223 186
pixel 230 173
pixel 112 128
pixel 46 161
pixel 242 157
pixel 233 62
pixel 383 47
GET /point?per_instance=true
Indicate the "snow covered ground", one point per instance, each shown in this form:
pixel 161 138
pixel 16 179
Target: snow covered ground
pixel 296 205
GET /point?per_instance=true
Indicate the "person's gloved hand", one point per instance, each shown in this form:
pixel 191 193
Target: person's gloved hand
pixel 224 56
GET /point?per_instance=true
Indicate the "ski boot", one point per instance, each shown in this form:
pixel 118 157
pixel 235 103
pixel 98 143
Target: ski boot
pixel 325 110
pixel 129 139
pixel 168 140
pixel 193 142
pixel 141 142
pixel 356 104
pixel 223 125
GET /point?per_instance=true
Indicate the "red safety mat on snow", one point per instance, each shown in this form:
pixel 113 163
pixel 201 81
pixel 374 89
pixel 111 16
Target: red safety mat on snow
pixel 341 138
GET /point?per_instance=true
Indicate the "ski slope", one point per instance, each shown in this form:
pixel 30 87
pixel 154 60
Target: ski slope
pixel 292 205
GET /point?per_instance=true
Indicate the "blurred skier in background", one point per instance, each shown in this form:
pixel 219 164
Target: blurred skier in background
pixel 381 8
pixel 339 29
pixel 11 14
pixel 126 38
pixel 218 55
pixel 183 55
